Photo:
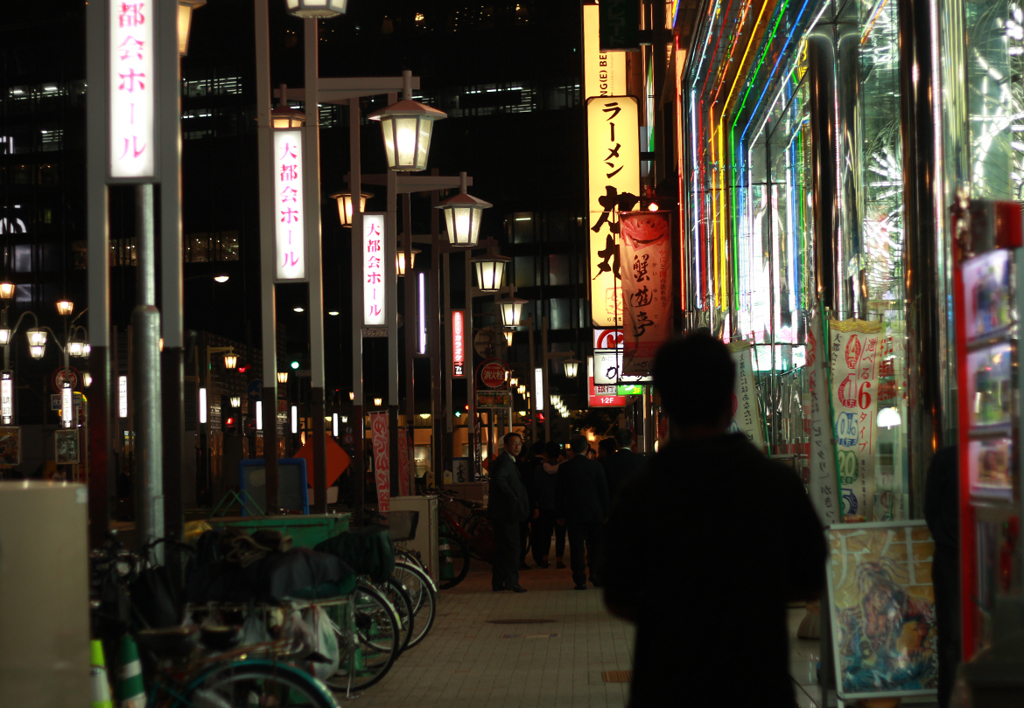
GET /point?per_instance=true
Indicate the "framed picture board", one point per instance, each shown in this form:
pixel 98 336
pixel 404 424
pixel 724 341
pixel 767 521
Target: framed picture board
pixel 65 443
pixel 882 608
pixel 10 446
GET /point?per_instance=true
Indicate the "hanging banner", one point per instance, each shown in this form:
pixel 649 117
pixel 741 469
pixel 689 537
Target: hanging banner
pixel 645 251
pixel 822 483
pixel 403 463
pixel 374 290
pixel 132 81
pixel 604 73
pixel 381 459
pixel 854 347
pixel 746 414
pixel 289 221
pixel 613 139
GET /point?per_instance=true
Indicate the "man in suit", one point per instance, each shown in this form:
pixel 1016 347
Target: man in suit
pixel 583 507
pixel 508 506
pixel 623 464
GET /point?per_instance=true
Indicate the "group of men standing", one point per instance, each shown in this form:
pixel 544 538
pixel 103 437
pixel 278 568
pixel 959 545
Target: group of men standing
pixel 551 491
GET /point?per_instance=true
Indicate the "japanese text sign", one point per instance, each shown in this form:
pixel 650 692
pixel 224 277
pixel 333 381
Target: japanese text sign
pixel 381 459
pixel 289 218
pixel 458 343
pixel 823 483
pixel 132 87
pixel 374 288
pixel 746 414
pixel 853 350
pixel 604 73
pixel 614 164
pixel 6 398
pixel 645 254
pixel 601 396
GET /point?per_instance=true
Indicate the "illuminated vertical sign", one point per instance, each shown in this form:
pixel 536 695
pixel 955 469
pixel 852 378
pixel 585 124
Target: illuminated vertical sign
pixel 202 405
pixel 604 73
pixel 122 396
pixel 374 289
pixel 67 405
pixel 7 397
pixel 289 221
pixel 132 81
pixel 613 138
pixel 458 343
pixel 538 389
pixel 423 313
pixel 259 415
pixel 334 424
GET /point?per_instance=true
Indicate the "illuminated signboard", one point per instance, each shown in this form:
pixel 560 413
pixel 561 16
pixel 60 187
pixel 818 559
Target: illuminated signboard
pixel 538 389
pixel 613 138
pixel 458 343
pixel 289 222
pixel 422 343
pixel 601 396
pixel 608 338
pixel 6 397
pixel 67 405
pixel 604 73
pixel 374 290
pixel 131 78
pixel 122 396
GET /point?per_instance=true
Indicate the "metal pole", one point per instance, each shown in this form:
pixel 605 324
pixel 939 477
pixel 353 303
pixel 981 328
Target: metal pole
pixel 546 393
pixel 268 316
pixel 440 365
pixel 98 276
pixel 411 335
pixel 149 507
pixel 532 385
pixel 472 422
pixel 316 288
pixel 355 186
pixel 391 278
pixel 172 360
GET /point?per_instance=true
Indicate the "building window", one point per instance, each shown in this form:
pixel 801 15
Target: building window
pixel 522 227
pixel 22 259
pixel 216 246
pixel 525 271
pixel 559 269
pixel 561 313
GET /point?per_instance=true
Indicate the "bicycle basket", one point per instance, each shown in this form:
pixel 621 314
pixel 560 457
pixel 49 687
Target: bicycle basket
pixel 402 524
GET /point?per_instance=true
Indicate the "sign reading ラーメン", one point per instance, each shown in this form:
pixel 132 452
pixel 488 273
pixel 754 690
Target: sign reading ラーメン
pixel 289 221
pixel 131 78
pixel 614 159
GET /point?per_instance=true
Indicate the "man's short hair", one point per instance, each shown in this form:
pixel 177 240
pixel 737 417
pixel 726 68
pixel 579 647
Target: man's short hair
pixel 608 445
pixel 579 444
pixel 695 377
pixel 552 450
pixel 508 437
pixel 624 437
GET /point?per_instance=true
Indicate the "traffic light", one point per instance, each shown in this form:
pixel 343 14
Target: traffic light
pixel 294 364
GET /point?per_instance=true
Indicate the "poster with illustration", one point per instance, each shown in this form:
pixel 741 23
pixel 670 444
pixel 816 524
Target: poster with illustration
pixel 66 447
pixel 989 385
pixel 987 292
pixel 10 446
pixel 883 609
pixel 989 468
pixel 854 348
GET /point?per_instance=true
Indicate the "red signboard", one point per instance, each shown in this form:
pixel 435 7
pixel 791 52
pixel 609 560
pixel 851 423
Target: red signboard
pixel 601 396
pixel 494 373
pixel 645 251
pixel 458 343
pixel 381 460
pixel 403 463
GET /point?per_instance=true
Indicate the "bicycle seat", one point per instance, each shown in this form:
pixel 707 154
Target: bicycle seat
pixel 168 643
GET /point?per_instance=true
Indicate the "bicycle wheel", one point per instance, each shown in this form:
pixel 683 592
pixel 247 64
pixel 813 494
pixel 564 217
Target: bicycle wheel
pixel 454 559
pixel 423 594
pixel 412 557
pixel 481 535
pixel 370 648
pixel 399 597
pixel 256 682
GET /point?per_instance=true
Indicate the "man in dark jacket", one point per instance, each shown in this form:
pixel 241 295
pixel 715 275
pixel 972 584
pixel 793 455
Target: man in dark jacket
pixel 707 547
pixel 942 513
pixel 508 505
pixel 623 464
pixel 583 507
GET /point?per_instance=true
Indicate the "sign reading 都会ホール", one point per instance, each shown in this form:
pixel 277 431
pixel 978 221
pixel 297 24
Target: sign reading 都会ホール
pixel 132 86
pixel 289 219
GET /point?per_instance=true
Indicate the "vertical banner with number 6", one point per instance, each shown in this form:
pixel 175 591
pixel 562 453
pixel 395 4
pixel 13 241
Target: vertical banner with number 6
pixel 853 350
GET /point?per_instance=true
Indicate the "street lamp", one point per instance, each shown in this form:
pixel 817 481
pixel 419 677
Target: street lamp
pixel 185 8
pixel 6 291
pixel 282 377
pixel 345 206
pixel 230 360
pixel 511 309
pixel 490 272
pixel 571 366
pixel 378 402
pixel 65 308
pixel 316 8
pixel 462 215
pixel 284 117
pixel 236 401
pixel 400 261
pixel 407 127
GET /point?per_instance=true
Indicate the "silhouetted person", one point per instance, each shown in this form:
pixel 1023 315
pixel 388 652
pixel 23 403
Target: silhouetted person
pixel 942 512
pixel 583 507
pixel 623 464
pixel 688 538
pixel 508 505
pixel 525 465
pixel 545 477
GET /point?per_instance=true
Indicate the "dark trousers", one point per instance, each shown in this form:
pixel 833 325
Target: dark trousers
pixel 524 538
pixel 505 571
pixel 946 583
pixel 540 540
pixel 580 533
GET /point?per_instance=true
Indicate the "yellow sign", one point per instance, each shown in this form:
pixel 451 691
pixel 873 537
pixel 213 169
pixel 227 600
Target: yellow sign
pixel 613 137
pixel 604 73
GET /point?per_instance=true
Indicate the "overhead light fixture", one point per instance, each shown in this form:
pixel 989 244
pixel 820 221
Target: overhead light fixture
pixel 378 402
pixel 490 272
pixel 400 260
pixel 316 9
pixel 462 214
pixel 222 278
pixel 6 291
pixel 508 336
pixel 571 366
pixel 282 377
pixel 425 416
pixel 407 127
pixel 889 418
pixel 333 313
pixel 37 351
pixel 185 8
pixel 236 401
pixel 299 308
pixel 230 361
pixel 283 117
pixel 511 309
pixel 345 206
pixel 36 337
pixel 65 308
pixel 351 395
